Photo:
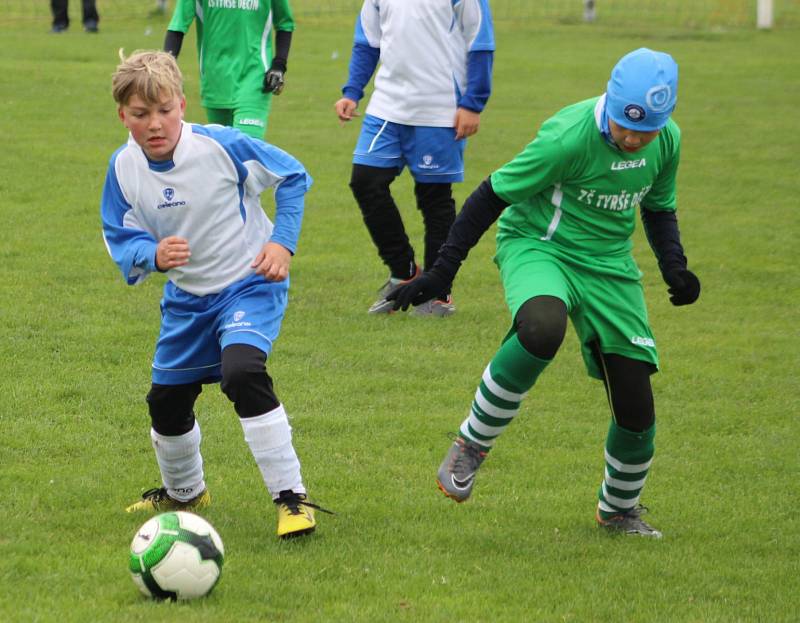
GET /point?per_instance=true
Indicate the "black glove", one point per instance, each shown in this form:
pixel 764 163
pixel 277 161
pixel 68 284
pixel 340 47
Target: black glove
pixel 684 286
pixel 273 81
pixel 427 286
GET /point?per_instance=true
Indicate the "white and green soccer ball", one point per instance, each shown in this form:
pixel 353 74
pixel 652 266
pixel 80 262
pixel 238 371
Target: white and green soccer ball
pixel 176 555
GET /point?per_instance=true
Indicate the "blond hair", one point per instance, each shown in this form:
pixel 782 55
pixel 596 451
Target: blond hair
pixel 150 74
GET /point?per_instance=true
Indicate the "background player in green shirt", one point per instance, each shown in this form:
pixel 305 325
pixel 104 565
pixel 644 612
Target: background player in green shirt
pixel 238 73
pixel 568 205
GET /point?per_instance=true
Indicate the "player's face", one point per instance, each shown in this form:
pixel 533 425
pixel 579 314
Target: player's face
pixel 155 127
pixel 630 140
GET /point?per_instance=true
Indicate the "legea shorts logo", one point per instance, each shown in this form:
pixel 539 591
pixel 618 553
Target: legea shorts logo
pixel 635 113
pixel 237 316
pixel 659 98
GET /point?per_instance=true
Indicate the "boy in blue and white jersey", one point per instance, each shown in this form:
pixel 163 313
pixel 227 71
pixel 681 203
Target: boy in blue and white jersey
pixel 185 200
pixel 433 82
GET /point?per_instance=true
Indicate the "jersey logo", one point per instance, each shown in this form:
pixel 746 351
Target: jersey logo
pixel 628 164
pixel 169 195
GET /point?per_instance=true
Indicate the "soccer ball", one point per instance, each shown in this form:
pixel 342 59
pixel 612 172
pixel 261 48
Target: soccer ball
pixel 176 556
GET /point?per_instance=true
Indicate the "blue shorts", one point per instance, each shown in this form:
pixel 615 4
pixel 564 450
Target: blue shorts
pixel 195 329
pixel 432 154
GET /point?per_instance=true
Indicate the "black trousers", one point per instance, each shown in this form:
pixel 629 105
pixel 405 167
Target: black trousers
pixel 370 186
pixel 61 15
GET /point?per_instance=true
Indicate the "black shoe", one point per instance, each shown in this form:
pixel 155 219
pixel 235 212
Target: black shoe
pixel 91 27
pixel 57 29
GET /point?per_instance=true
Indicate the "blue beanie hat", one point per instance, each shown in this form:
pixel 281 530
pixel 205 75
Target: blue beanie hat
pixel 643 90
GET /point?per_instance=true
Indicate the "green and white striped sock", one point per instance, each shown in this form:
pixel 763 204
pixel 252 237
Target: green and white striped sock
pixel 628 458
pixel 507 378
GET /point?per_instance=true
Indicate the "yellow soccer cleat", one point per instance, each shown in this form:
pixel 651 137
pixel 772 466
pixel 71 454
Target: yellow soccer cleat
pixel 296 514
pixel 157 500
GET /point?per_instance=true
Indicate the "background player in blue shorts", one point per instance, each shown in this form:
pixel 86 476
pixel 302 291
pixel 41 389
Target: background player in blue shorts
pixel 185 200
pixel 434 80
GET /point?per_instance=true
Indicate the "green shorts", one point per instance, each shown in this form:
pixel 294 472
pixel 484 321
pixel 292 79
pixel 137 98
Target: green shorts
pixel 250 119
pixel 603 308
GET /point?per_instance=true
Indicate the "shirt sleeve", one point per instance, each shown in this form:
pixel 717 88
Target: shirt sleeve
pixel 270 167
pixel 366 51
pixel 182 16
pixel 475 20
pixel 662 196
pixel 129 245
pixel 539 166
pixel 282 18
pixel 479 81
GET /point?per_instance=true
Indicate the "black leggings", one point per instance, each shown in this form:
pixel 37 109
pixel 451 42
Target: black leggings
pixel 541 324
pixel 370 186
pixel 244 381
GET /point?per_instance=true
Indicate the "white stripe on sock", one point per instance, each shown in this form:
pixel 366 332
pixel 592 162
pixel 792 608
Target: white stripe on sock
pixel 625 467
pixel 498 391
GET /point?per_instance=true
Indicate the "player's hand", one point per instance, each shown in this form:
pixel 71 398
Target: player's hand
pixel 684 286
pixel 466 123
pixel 273 262
pixel 273 82
pixel 427 286
pixel 172 251
pixel 345 109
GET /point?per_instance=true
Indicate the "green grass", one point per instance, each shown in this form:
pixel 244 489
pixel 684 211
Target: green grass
pixel 372 399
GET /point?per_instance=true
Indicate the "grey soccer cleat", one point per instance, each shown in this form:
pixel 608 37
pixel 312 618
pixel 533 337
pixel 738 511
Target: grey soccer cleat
pixel 457 472
pixel 436 308
pixel 629 522
pixel 382 306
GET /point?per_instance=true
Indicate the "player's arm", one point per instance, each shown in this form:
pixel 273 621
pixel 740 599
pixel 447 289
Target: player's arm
pixel 660 222
pixel 363 61
pixel 182 18
pixel 475 21
pixel 283 22
pixel 131 247
pixel 480 210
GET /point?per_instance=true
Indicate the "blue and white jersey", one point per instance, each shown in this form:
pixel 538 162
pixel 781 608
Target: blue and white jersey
pixel 209 194
pixel 427 48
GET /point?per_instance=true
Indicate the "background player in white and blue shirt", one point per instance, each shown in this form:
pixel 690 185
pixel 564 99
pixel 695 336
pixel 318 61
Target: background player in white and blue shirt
pixel 433 82
pixel 185 200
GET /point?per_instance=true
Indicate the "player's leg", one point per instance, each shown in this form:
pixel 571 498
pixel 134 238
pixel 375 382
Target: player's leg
pixel 250 322
pixel 175 435
pixel 186 355
pixel 619 348
pixel 539 296
pixel 629 444
pixel 90 16
pixel 539 329
pixel 252 118
pixel 60 15
pixel 436 161
pixel 377 161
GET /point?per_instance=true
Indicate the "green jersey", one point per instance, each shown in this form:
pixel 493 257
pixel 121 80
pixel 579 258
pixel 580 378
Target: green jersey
pixel 575 195
pixel 234 45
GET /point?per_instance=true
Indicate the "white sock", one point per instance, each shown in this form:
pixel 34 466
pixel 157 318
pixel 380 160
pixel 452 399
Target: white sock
pixel 270 439
pixel 180 463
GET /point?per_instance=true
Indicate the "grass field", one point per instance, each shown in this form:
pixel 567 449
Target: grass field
pixel 372 399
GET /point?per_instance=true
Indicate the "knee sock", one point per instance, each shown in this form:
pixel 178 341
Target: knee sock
pixel 509 375
pixel 180 463
pixel 628 458
pixel 270 439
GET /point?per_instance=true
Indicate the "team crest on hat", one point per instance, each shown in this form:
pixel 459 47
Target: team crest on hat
pixel 659 98
pixel 635 113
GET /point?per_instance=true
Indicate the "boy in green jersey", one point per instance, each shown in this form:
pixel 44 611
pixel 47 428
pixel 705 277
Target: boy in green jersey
pixel 238 72
pixel 568 205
